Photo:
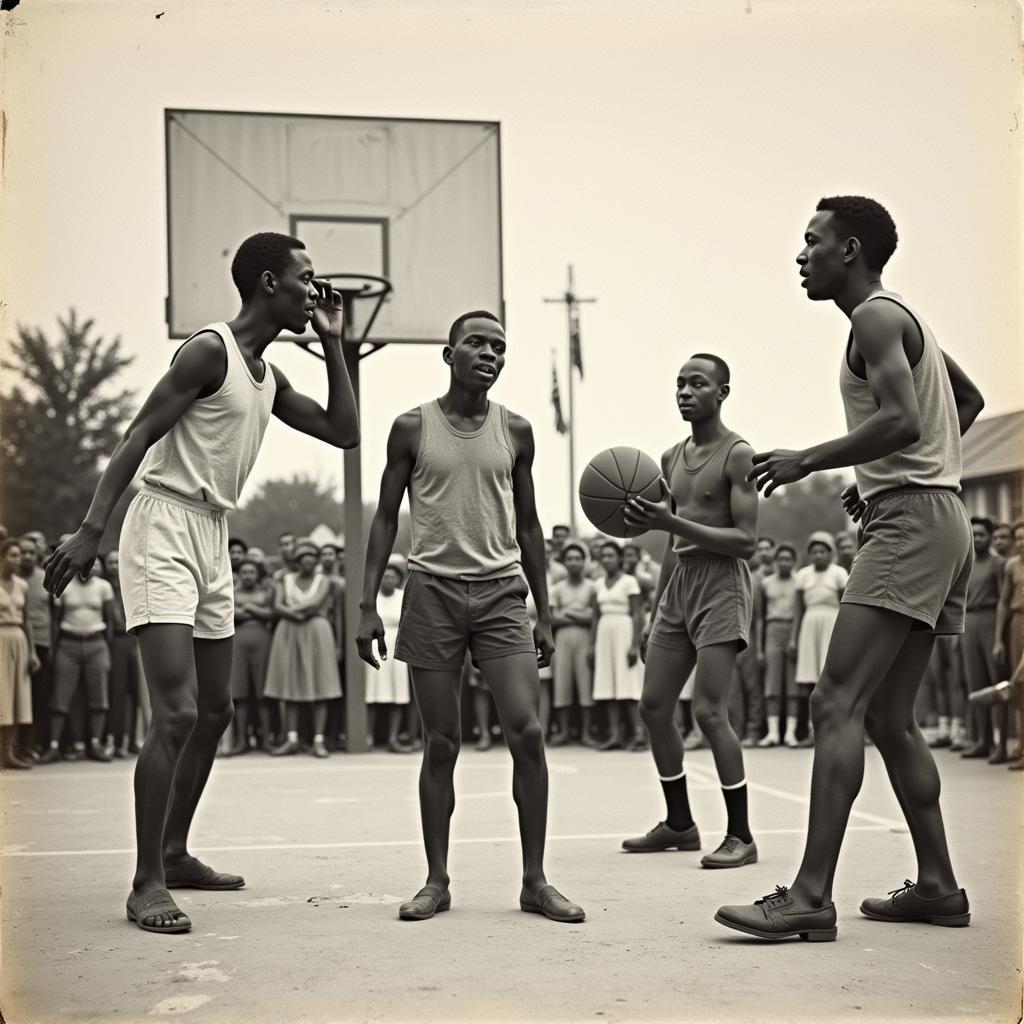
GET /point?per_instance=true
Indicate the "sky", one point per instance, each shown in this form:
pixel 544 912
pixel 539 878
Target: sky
pixel 672 152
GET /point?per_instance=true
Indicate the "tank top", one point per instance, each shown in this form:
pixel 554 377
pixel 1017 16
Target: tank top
pixel 935 459
pixel 986 579
pixel 208 454
pixel 701 491
pixel 460 498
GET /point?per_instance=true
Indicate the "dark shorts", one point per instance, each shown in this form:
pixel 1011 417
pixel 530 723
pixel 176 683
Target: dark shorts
pixel 707 600
pixel 915 557
pixel 443 617
pixel 81 659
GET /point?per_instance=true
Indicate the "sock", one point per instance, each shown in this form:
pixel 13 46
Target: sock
pixel 318 738
pixel 293 736
pixel 773 727
pixel 943 726
pixel 678 802
pixel 54 744
pixel 736 808
pixel 790 727
pixel 957 728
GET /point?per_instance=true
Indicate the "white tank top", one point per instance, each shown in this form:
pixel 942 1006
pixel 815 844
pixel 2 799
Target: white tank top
pixel 208 454
pixel 935 460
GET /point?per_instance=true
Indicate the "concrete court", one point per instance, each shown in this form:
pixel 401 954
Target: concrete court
pixel 329 849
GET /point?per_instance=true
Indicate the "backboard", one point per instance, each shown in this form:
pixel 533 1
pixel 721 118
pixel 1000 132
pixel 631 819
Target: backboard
pixel 414 201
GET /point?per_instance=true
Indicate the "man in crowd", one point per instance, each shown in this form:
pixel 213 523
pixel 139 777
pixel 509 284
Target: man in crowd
pixel 778 597
pixel 846 548
pixel 39 617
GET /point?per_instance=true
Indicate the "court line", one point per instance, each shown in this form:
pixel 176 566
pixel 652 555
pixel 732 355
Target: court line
pixel 875 819
pixel 374 844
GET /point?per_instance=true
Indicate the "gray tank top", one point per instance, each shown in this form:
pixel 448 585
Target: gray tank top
pixel 460 498
pixel 701 491
pixel 935 460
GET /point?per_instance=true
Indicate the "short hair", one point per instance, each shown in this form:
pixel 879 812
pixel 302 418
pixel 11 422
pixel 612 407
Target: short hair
pixel 453 331
pixel 237 542
pixel 26 538
pixel 982 521
pixel 257 564
pixel 614 545
pixel 631 547
pixel 770 540
pixel 1000 526
pixel 6 545
pixel 721 366
pixel 287 533
pixel 866 220
pixel 786 546
pixel 561 526
pixel 575 545
pixel 334 547
pixel 266 250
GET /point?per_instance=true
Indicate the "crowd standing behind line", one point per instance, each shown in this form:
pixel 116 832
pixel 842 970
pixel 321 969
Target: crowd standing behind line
pixel 72 686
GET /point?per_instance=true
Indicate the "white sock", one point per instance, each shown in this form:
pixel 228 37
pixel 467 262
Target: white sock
pixel 293 736
pixel 773 726
pixel 943 726
pixel 791 727
pixel 318 738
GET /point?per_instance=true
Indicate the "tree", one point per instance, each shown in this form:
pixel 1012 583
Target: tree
pixel 293 505
pixel 58 423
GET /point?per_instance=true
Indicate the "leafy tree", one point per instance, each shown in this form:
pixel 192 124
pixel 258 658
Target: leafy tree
pixel 59 422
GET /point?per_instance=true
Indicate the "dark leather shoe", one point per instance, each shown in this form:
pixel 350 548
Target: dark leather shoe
pixel 661 837
pixel 998 756
pixel 776 916
pixel 430 900
pixel 951 910
pixel 979 750
pixel 552 904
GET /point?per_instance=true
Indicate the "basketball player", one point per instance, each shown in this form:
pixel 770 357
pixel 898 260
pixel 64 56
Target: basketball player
pixel 466 462
pixel 701 610
pixel 196 439
pixel 907 405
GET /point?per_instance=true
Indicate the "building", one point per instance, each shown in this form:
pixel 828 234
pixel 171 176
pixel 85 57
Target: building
pixel 993 474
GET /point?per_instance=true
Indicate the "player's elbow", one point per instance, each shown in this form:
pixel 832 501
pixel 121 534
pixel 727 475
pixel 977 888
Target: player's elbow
pixel 747 547
pixel 906 429
pixel 346 440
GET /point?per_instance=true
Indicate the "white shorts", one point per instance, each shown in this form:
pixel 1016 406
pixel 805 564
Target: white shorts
pixel 174 565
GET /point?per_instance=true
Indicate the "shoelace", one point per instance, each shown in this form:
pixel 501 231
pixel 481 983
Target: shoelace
pixel 907 886
pixel 727 845
pixel 781 892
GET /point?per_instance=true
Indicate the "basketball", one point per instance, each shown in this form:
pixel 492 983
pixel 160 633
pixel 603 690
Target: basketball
pixel 610 479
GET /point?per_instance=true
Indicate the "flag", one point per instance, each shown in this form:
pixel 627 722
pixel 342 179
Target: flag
pixel 575 352
pixel 556 400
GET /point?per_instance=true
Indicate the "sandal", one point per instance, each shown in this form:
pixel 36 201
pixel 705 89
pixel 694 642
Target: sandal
pixel 194 874
pixel 154 905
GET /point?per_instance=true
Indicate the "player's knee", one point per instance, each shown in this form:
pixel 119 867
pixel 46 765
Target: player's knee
pixel 828 702
pixel 176 724
pixel 527 739
pixel 654 713
pixel 442 748
pixel 219 718
pixel 710 716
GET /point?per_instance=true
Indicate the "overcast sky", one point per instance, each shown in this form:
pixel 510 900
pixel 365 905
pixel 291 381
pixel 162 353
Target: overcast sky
pixel 673 152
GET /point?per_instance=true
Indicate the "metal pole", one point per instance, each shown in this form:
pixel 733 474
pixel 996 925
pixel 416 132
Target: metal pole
pixel 570 299
pixel 355 556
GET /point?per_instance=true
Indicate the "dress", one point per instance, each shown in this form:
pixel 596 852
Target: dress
pixel 614 677
pixel 15 682
pixel 821 593
pixel 302 665
pixel 390 683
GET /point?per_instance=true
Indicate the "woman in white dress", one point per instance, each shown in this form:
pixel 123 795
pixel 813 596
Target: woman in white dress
pixel 615 646
pixel 17 655
pixel 388 687
pixel 819 589
pixel 303 667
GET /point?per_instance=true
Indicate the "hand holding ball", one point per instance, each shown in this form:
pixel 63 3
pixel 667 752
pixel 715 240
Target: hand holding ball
pixel 612 478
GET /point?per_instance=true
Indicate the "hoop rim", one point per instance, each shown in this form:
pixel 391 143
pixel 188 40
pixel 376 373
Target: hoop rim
pixel 372 286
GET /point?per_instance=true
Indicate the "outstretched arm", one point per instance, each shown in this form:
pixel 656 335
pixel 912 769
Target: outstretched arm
pixel 338 424
pixel 878 337
pixel 736 541
pixel 529 533
pixel 403 446
pixel 199 365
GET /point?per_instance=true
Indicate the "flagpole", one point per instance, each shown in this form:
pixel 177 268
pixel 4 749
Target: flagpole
pixel 572 302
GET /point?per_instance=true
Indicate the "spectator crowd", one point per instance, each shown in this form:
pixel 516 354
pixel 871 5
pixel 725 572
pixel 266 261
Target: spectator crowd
pixel 72 684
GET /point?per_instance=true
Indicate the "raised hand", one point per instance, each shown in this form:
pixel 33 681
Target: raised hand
pixel 775 468
pixel 329 315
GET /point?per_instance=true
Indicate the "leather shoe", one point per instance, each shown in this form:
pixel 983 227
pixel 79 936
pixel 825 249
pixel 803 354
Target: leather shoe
pixel 951 910
pixel 661 837
pixel 776 916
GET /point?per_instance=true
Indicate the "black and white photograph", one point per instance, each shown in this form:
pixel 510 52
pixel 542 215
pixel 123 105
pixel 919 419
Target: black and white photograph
pixel 511 511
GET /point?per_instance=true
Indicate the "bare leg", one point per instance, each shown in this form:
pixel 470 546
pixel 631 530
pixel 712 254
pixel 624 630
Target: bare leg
pixel 437 694
pixel 912 772
pixel 665 673
pixel 544 714
pixel 514 684
pixel 214 712
pixel 171 677
pixel 865 643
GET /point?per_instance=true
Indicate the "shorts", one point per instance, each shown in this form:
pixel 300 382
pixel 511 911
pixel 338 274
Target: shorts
pixel 915 557
pixel 708 600
pixel 79 657
pixel 174 565
pixel 442 617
